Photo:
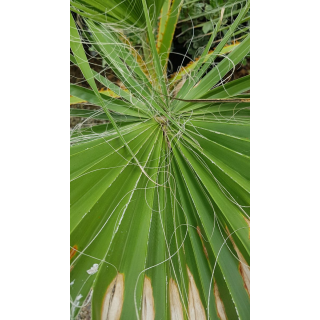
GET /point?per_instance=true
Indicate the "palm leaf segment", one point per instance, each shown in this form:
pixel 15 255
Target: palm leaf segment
pixel 160 194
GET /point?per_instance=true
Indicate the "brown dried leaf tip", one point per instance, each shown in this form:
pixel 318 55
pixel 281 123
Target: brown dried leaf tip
pixel 175 303
pixel 148 312
pixel 243 267
pixel 219 304
pixel 73 251
pixel 195 307
pixel 113 299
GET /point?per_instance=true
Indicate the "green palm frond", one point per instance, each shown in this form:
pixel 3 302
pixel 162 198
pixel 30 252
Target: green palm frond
pixel 160 191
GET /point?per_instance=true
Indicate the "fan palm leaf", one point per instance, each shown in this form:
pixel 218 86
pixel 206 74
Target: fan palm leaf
pixel 160 193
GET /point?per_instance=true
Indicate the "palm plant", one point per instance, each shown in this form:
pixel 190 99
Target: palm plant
pixel 160 192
